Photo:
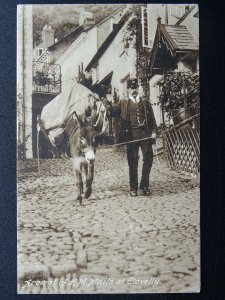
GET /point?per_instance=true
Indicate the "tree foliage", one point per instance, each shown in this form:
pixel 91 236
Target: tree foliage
pixel 64 29
pixel 38 23
pixel 65 18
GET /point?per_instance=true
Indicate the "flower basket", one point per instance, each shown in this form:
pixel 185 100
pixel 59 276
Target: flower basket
pixel 180 115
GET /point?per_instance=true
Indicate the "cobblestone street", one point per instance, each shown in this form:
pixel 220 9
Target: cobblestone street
pixel 113 243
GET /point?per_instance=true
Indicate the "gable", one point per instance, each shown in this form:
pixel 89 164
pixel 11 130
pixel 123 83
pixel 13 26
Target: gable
pixel 170 44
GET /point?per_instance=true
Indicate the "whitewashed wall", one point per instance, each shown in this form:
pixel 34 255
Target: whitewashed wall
pixel 192 23
pixel 154 97
pixel 158 10
pixel 119 61
pixel 81 51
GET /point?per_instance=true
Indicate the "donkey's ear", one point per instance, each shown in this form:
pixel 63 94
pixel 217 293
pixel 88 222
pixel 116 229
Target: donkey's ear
pixel 74 116
pixel 87 111
pixel 78 119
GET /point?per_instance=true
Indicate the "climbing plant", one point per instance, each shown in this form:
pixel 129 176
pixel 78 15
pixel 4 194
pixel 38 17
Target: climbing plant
pixel 180 90
pixel 133 38
pixel 42 79
pixel 84 78
pixel 21 147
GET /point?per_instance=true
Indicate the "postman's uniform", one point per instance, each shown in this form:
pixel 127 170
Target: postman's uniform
pixel 137 115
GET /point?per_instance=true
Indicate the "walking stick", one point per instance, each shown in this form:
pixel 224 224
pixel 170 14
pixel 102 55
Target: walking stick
pixel 156 153
pixel 134 141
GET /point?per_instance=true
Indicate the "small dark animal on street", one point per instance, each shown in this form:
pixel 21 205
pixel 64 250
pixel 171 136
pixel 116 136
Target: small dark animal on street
pixel 83 143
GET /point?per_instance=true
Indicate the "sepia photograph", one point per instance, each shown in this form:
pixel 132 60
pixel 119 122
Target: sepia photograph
pixel 108 148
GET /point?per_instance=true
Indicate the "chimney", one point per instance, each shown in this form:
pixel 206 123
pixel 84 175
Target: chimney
pixel 159 26
pixel 166 14
pixel 86 19
pixel 48 36
pixel 159 21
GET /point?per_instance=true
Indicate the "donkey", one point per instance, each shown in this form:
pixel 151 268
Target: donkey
pixel 83 143
pixel 79 112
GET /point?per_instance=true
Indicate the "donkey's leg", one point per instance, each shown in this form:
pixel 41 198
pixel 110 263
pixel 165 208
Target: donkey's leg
pixel 89 180
pixel 79 186
pixel 78 179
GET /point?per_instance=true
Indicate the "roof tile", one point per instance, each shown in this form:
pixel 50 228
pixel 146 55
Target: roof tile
pixel 181 37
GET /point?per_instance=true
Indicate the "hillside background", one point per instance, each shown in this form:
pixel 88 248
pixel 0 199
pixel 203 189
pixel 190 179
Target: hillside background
pixel 65 17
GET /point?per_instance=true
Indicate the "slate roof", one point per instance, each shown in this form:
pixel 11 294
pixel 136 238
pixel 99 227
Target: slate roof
pixel 111 15
pixel 71 36
pixel 179 37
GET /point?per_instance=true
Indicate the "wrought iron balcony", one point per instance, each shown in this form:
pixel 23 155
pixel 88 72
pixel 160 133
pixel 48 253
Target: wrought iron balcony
pixel 46 78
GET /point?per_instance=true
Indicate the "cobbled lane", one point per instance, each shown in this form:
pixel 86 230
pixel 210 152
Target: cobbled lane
pixel 113 243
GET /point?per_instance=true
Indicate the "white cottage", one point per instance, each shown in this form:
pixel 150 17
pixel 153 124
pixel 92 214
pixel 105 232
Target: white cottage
pixel 113 64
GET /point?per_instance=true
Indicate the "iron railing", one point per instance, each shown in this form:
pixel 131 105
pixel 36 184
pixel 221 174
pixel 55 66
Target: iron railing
pixel 46 78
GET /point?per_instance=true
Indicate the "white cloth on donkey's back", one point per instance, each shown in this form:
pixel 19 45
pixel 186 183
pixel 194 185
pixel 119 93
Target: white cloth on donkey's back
pixel 57 111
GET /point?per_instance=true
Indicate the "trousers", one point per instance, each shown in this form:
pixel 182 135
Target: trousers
pixel 132 157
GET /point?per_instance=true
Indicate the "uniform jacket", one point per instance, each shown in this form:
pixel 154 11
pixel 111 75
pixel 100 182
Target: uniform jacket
pixel 120 109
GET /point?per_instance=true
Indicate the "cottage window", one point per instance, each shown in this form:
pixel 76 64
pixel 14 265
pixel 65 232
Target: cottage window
pixel 40 51
pixel 146 42
pixel 95 73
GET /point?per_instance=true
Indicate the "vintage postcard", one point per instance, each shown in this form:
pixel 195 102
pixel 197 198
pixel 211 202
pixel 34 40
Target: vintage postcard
pixel 108 148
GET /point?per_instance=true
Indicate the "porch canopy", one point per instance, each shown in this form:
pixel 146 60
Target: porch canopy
pixel 171 44
pixel 57 111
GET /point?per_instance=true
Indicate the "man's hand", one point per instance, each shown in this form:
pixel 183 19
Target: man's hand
pixel 153 136
pixel 105 103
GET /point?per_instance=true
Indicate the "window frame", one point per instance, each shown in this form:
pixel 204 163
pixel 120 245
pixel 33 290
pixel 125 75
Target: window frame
pixel 145 27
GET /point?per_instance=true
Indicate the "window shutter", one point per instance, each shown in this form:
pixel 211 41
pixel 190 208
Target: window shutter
pixel 146 42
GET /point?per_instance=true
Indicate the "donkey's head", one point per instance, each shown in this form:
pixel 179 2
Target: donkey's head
pixel 85 137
